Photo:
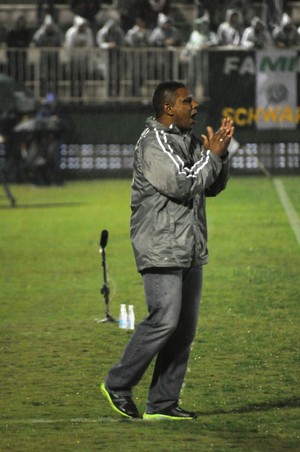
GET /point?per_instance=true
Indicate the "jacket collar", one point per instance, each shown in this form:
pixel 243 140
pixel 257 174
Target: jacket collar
pixel 152 123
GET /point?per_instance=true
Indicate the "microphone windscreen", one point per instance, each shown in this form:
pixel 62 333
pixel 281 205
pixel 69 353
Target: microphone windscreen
pixel 103 238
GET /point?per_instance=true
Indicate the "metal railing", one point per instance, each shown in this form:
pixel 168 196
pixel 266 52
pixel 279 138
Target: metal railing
pixel 94 76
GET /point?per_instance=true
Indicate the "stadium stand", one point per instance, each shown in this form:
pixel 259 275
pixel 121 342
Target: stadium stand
pixel 275 149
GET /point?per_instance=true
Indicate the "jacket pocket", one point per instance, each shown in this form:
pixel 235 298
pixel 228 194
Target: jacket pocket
pixel 164 223
pixel 162 246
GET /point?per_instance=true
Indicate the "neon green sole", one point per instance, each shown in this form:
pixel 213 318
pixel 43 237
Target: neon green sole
pixel 161 417
pixel 107 396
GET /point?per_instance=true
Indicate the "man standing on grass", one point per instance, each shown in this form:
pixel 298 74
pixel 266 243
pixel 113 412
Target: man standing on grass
pixel 173 173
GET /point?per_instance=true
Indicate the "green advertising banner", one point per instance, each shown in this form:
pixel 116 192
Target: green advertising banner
pixel 257 89
pixel 276 90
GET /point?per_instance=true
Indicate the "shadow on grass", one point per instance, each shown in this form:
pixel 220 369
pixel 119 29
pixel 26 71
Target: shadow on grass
pixel 293 402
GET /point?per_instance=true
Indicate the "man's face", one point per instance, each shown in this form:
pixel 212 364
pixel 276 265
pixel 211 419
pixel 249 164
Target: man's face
pixel 82 28
pixel 259 28
pixel 234 20
pixel 184 110
pixel 49 29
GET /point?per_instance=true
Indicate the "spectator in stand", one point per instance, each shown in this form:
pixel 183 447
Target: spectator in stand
pixel 209 10
pixel 167 36
pixel 201 38
pixel 110 38
pixel 152 9
pixel 229 32
pixel 79 40
pixel 45 7
pixel 50 36
pixel 286 35
pixel 256 36
pixel 274 11
pixel 87 9
pixel 129 10
pixel 17 41
pixel 138 37
pixel 202 8
pixel 242 6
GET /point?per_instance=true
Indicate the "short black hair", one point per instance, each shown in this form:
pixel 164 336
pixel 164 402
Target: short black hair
pixel 165 92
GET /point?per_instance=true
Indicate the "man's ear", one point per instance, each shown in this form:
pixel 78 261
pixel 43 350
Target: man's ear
pixel 168 109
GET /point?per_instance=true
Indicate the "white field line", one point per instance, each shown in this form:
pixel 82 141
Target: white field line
pixel 289 208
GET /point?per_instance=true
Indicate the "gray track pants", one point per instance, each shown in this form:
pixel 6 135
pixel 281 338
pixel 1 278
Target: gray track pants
pixel 173 297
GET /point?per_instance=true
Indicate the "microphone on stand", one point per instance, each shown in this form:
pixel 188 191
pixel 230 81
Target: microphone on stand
pixel 103 239
pixel 105 289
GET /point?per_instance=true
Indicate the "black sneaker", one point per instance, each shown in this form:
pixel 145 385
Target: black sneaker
pixel 172 412
pixel 123 405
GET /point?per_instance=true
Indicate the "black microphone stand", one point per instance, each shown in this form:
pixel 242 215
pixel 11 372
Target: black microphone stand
pixel 105 289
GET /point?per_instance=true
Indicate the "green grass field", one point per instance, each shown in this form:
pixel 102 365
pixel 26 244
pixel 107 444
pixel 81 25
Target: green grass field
pixel 243 377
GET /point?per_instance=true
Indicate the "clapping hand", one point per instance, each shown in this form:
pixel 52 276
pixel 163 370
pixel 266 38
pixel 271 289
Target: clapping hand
pixel 218 142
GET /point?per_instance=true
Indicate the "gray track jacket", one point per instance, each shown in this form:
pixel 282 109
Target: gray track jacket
pixel 172 176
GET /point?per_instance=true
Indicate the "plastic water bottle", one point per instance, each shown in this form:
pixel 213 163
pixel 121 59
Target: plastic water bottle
pixel 123 319
pixel 131 317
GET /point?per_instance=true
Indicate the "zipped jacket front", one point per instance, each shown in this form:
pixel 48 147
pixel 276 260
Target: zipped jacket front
pixel 172 176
